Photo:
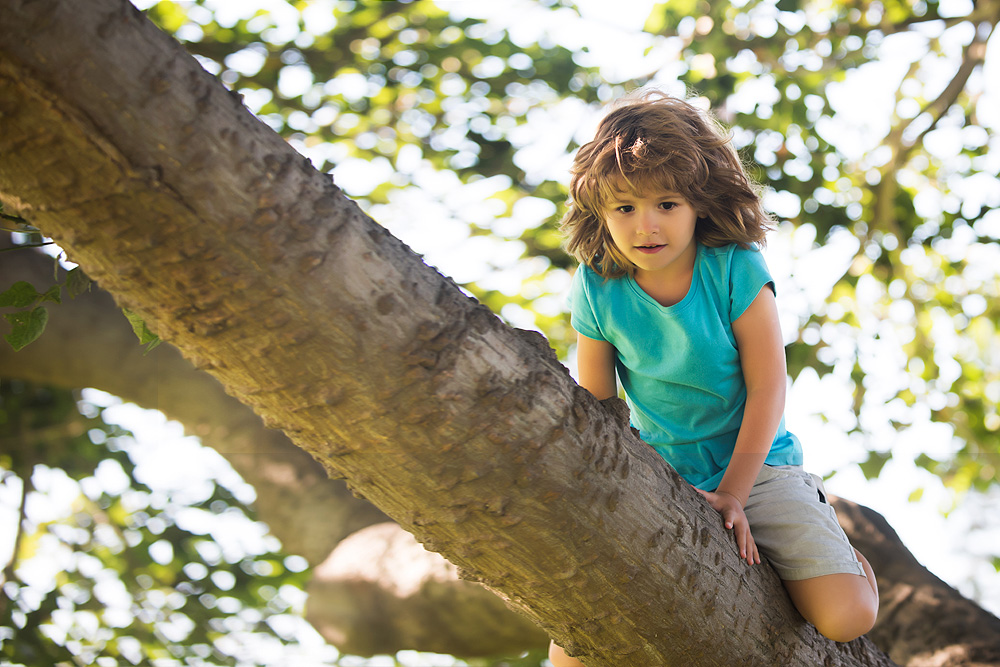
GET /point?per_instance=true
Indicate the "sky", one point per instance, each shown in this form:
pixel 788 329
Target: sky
pixel 949 540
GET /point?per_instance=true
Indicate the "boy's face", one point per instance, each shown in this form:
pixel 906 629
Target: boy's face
pixel 654 230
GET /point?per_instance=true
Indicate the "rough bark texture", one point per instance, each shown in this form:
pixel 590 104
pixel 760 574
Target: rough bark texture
pixel 470 435
pixel 88 343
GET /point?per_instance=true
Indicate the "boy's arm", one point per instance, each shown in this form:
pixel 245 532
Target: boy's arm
pixel 595 360
pixel 762 357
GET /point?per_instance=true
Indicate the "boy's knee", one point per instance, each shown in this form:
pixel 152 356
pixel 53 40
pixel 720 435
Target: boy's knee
pixel 846 623
pixel 841 606
pixel 558 657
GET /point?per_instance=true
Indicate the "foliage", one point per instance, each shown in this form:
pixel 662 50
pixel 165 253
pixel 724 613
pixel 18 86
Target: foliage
pixel 28 323
pixel 127 574
pixel 29 319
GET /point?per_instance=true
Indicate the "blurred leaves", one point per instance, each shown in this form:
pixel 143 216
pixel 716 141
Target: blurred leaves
pixel 127 573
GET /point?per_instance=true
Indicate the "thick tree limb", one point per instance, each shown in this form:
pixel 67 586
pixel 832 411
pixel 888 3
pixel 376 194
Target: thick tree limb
pixel 468 434
pixel 88 343
pixel 379 588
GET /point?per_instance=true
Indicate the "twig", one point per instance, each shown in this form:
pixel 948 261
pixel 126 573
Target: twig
pixel 972 57
pixel 22 247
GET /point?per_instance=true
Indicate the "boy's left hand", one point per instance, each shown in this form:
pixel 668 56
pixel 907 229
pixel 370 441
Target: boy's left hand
pixel 734 519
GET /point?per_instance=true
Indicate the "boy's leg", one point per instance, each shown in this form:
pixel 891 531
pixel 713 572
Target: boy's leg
pixel 797 530
pixel 558 657
pixel 841 606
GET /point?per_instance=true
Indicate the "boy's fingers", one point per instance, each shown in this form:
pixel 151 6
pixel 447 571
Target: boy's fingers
pixel 753 552
pixel 747 546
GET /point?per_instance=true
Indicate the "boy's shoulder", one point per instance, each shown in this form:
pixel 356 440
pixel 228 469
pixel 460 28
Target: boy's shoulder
pixel 729 250
pixel 727 256
pixel 591 286
pixel 584 275
pixel 590 276
pixel 733 262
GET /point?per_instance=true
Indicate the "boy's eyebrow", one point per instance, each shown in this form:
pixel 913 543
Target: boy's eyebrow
pixel 626 196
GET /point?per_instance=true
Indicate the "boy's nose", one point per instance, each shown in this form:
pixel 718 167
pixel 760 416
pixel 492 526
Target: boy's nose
pixel 647 223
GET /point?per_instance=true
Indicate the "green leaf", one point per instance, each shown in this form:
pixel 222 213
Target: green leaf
pixel 142 332
pixel 77 282
pixel 54 293
pixel 20 295
pixel 27 326
pixel 873 466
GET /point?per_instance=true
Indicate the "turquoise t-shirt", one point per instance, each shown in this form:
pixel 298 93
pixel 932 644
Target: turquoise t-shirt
pixel 678 365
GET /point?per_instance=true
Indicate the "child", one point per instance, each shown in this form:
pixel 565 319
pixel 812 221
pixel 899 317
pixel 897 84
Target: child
pixel 673 295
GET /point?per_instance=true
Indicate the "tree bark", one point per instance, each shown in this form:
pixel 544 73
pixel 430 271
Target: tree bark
pixel 470 435
pixel 88 343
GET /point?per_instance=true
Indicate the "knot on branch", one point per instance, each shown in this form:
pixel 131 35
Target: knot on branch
pixel 540 344
pixel 619 410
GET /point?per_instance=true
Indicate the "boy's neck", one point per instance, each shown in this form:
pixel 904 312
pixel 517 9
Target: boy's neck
pixel 670 285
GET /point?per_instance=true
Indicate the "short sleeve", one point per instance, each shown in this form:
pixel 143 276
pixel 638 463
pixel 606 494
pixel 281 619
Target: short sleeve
pixel 748 274
pixel 583 319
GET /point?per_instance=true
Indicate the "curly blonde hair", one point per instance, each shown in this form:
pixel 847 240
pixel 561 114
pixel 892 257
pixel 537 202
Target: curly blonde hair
pixel 652 141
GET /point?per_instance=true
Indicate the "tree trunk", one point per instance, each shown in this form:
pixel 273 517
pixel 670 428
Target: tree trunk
pixel 468 434
pixel 88 343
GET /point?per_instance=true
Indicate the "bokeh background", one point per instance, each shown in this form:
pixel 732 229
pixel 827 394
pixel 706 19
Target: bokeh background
pixel 872 126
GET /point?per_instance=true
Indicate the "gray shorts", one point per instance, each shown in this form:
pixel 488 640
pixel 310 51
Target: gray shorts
pixel 794 526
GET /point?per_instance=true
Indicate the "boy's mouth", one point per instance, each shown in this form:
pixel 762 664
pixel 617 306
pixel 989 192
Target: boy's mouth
pixel 649 248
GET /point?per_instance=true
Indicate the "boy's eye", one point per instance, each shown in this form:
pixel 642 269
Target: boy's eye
pixel 667 205
pixel 627 208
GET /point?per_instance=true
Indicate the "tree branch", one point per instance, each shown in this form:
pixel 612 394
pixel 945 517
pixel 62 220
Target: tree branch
pixel 88 343
pixel 973 56
pixel 922 621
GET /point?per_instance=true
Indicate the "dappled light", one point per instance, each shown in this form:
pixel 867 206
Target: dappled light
pixel 873 128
